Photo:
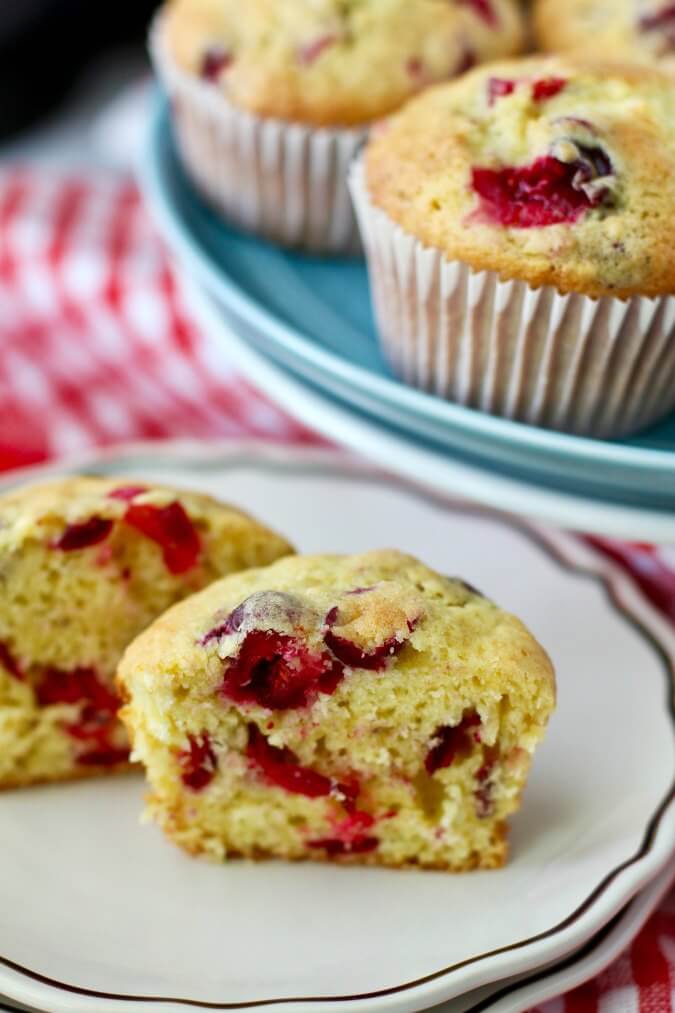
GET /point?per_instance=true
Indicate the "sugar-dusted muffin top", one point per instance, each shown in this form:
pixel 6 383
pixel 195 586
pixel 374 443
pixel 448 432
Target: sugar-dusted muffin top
pixel 324 617
pixel 641 30
pixel 555 171
pixel 335 62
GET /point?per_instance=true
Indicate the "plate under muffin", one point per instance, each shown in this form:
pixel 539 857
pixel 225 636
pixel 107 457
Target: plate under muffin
pixel 104 915
pixel 313 315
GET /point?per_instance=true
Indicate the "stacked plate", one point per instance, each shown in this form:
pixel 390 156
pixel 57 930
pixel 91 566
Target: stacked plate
pixel 102 915
pixel 302 327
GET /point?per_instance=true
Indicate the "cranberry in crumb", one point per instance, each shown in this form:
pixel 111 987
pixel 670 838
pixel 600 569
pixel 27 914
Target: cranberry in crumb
pixel 357 846
pixel 214 61
pixel 547 192
pixel 353 656
pixel 74 685
pixel 310 53
pixel 198 763
pixel 450 743
pixel 278 671
pixel 83 535
pixel 171 528
pixel 263 610
pixel 9 662
pixel 282 769
pixel 548 87
pixel 484 9
pixel 126 493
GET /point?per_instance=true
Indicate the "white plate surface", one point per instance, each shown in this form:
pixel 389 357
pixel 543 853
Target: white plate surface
pixel 123 921
pixel 404 455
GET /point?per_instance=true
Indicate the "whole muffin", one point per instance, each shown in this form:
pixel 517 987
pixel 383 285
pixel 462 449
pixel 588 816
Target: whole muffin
pixel 354 708
pixel 642 30
pixel 272 98
pixel 85 565
pixel 520 229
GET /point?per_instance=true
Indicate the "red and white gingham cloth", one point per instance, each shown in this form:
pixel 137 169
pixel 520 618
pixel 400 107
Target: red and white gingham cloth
pixel 97 347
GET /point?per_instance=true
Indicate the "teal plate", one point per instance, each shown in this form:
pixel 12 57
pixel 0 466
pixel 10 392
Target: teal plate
pixel 313 315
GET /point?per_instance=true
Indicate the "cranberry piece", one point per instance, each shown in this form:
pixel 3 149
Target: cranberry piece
pixel 357 846
pixel 499 87
pixel 483 794
pixel 97 730
pixel 214 61
pixel 84 534
pixel 311 52
pixel 278 671
pixel 281 767
pixel 484 10
pixel 198 763
pixel 415 69
pixel 548 87
pixel 173 531
pixel 103 757
pixel 264 609
pixel 9 662
pixel 127 492
pixel 450 743
pixel 73 686
pixel 353 656
pixel 663 18
pixel 547 192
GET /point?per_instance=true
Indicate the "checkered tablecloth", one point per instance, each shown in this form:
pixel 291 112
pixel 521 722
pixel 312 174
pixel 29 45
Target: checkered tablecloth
pixel 97 347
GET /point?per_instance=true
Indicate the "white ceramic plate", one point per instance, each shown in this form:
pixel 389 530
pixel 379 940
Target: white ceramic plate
pixel 404 455
pixel 100 914
pixel 516 994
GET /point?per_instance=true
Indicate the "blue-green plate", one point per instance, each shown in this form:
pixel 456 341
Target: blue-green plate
pixel 313 315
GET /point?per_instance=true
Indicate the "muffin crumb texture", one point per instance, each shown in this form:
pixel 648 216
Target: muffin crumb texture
pixel 353 709
pixel 85 565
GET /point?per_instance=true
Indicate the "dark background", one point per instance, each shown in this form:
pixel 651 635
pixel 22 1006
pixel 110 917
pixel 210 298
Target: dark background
pixel 46 45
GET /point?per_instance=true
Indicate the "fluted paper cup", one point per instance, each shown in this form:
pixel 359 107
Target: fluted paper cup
pixel 284 181
pixel 595 367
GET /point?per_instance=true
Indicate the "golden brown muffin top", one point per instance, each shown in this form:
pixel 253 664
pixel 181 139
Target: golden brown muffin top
pixel 335 62
pixel 553 171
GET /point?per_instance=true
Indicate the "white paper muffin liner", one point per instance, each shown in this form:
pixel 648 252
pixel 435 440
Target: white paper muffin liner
pixel 284 181
pixel 595 367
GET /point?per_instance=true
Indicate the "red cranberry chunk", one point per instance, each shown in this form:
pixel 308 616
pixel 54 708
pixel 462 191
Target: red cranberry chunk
pixel 278 671
pixel 467 60
pixel 484 9
pixel 126 493
pixel 499 87
pixel 548 87
pixel 198 763
pixel 310 53
pixel 97 731
pixel 353 656
pixel 171 528
pixel 263 610
pixel 450 743
pixel 334 846
pixel 73 686
pixel 84 534
pixel 660 19
pixel 281 767
pixel 547 192
pixel 9 662
pixel 215 60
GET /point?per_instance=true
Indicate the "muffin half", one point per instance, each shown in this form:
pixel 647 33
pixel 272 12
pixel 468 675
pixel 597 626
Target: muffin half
pixel 85 565
pixel 356 709
pixel 272 100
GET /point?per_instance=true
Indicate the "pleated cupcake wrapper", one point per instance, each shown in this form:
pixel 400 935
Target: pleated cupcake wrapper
pixel 595 367
pixel 284 181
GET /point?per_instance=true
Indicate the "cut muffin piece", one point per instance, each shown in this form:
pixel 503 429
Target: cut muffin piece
pixel 85 565
pixel 361 709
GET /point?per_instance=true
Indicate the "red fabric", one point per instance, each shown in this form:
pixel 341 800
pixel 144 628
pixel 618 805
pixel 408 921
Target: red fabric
pixel 97 347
